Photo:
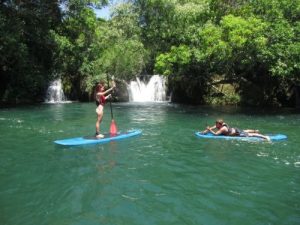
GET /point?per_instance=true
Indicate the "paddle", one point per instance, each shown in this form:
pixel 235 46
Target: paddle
pixel 113 127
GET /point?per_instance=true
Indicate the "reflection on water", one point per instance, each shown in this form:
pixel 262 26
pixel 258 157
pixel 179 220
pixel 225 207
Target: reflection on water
pixel 164 176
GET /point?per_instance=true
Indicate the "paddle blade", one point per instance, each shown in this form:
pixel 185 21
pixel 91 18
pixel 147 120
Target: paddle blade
pixel 113 128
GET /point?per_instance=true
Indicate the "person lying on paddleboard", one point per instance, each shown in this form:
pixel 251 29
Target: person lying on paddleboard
pixel 223 129
pixel 100 97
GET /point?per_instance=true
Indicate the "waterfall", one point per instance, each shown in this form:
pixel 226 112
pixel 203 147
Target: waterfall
pixel 152 91
pixel 55 93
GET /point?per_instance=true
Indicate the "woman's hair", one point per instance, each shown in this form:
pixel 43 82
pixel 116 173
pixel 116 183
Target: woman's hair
pixel 99 86
pixel 219 121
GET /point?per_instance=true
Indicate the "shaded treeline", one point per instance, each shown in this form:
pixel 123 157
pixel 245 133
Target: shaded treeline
pixel 205 47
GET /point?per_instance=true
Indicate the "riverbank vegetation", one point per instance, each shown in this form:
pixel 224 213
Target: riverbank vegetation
pixel 212 51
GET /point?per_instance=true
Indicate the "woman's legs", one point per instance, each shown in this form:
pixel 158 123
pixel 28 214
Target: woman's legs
pixel 99 112
pixel 259 135
pixel 99 119
pixel 252 131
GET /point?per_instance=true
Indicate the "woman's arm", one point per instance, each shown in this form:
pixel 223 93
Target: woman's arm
pixel 99 94
pixel 218 132
pixel 108 90
pixel 208 129
pixel 105 92
pixel 108 96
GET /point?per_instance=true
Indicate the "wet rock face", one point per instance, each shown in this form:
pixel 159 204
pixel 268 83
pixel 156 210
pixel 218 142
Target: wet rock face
pixel 121 92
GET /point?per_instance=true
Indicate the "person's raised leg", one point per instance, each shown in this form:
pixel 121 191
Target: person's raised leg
pixel 260 135
pixel 251 131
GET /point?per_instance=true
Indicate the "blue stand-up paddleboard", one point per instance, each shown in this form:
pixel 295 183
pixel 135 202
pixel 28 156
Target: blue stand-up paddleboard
pixel 273 137
pixel 94 140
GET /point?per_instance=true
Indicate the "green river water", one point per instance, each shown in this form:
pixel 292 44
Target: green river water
pixel 165 176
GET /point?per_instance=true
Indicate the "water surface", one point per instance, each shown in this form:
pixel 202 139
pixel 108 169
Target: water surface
pixel 164 176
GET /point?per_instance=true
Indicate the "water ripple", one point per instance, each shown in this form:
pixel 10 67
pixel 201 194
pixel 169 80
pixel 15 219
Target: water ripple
pixel 164 176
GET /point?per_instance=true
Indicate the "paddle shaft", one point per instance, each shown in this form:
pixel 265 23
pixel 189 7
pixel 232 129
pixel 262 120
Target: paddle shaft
pixel 111 111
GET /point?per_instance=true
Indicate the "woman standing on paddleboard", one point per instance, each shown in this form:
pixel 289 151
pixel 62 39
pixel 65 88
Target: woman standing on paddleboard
pixel 100 97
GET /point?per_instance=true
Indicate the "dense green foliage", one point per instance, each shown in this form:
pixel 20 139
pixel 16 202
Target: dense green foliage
pixel 25 48
pixel 253 44
pixel 250 47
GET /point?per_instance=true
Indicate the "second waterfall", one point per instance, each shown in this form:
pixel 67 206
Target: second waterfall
pixel 152 91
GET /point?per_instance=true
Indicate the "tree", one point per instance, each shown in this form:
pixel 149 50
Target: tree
pixel 253 44
pixel 92 49
pixel 26 48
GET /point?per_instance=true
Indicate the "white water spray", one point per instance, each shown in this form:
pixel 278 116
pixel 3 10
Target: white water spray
pixel 55 93
pixel 153 91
